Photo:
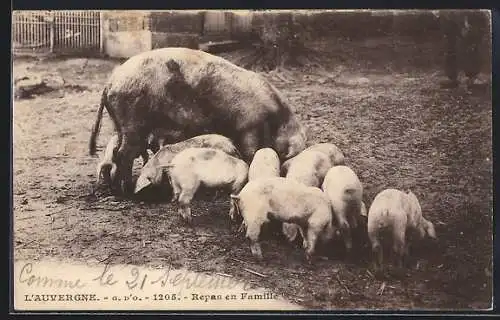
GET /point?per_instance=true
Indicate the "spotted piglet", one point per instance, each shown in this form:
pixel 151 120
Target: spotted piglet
pixel 210 167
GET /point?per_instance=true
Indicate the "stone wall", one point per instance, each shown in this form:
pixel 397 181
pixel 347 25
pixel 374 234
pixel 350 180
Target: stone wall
pixel 129 32
pixel 189 22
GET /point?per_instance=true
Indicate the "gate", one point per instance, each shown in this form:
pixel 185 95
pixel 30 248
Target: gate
pixel 78 31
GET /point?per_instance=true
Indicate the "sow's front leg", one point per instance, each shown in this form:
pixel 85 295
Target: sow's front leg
pixel 249 144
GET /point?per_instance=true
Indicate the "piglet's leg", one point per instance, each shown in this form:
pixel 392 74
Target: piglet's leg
pixel 377 255
pixel 406 256
pixel 290 231
pixel 346 234
pixel 303 231
pixel 344 227
pixel 216 195
pixel 176 189
pixel 312 237
pixel 353 220
pixel 145 157
pixel 232 210
pixel 242 227
pixel 399 247
pixel 253 232
pixel 186 195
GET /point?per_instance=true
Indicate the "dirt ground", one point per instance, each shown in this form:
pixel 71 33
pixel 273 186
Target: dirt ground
pixel 382 106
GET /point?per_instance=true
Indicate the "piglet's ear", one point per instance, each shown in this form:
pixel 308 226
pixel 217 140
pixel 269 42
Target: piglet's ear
pixel 235 198
pixel 430 230
pixel 364 212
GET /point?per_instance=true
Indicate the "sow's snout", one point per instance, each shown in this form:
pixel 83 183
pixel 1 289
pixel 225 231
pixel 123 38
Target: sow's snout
pixel 295 145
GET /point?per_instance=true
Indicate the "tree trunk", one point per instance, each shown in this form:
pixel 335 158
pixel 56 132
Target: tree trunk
pixel 277 36
pixel 281 43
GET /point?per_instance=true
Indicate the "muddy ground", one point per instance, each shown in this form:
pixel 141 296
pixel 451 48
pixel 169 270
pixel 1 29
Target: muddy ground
pixel 378 100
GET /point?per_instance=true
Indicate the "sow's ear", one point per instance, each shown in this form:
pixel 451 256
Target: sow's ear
pixel 284 167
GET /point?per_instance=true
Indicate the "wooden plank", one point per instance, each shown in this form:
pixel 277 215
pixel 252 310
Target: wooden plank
pixel 89 34
pixel 52 33
pixel 33 35
pixel 41 30
pixel 93 41
pixel 29 30
pixel 20 25
pixel 26 31
pixel 44 41
pixel 81 26
pixel 84 29
pixel 74 31
pixel 71 33
pixel 57 20
pixel 14 29
pixel 89 39
pixel 101 32
pixel 36 36
pixel 64 30
pixel 90 29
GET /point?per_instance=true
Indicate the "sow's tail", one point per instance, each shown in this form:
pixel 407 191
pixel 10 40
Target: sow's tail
pixel 97 124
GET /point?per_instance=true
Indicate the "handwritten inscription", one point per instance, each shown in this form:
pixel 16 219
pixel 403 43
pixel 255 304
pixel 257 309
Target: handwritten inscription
pixel 28 276
pixel 188 280
pixel 134 279
pixel 106 277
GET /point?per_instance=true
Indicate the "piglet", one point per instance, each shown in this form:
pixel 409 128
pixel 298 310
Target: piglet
pixel 395 213
pixel 345 192
pixel 209 167
pixel 285 200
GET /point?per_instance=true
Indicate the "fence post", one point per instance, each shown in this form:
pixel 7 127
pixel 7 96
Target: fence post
pixel 101 31
pixel 229 17
pixel 202 19
pixel 52 22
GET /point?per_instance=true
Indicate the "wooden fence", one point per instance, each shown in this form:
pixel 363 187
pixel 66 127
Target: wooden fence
pixel 57 31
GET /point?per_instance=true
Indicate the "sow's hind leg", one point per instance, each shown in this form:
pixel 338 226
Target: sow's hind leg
pixel 130 148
